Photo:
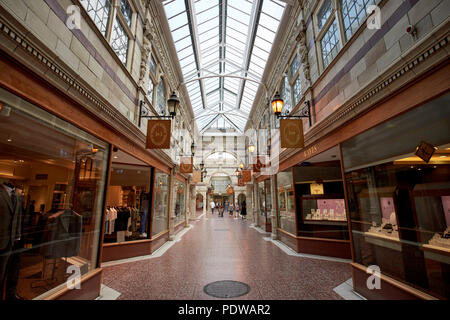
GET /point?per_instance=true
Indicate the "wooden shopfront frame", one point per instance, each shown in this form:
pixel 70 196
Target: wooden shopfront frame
pixel 337 248
pixel 268 223
pixel 136 248
pixel 27 85
pixel 180 225
pixel 425 88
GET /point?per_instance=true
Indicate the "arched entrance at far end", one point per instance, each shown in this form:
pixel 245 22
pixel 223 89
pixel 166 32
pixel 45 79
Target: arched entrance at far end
pixel 241 198
pixel 199 202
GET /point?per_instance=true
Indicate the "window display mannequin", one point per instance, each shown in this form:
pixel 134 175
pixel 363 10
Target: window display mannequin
pixel 10 224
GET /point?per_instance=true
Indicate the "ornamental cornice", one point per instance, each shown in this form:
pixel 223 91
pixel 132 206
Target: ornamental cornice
pixel 380 88
pixel 283 54
pixel 77 90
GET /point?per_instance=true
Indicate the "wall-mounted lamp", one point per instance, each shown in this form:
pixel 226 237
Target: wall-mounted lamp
pixel 172 106
pixel 193 148
pixel 277 106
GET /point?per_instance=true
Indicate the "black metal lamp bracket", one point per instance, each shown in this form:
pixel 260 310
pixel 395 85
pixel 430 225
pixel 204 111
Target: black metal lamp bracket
pixel 305 113
pixel 144 112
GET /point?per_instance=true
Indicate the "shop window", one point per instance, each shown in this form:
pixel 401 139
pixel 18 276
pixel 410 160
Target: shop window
pixel 52 183
pixel 286 205
pixel 399 204
pixel 262 204
pixel 268 205
pixel 99 11
pixel 180 202
pixel 161 98
pixel 119 41
pixel 128 201
pixel 160 222
pixel 320 200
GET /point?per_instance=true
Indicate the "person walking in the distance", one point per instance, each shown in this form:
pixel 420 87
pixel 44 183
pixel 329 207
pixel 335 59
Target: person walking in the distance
pixel 226 207
pixel 244 210
pixel 212 205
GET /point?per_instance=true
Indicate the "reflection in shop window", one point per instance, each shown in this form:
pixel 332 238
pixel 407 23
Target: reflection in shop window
pixel 399 204
pixel 127 202
pixel 51 199
pixel 180 203
pixel 160 203
pixel 286 198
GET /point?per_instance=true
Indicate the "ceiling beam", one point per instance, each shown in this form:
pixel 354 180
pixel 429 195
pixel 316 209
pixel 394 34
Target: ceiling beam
pixel 195 43
pixel 254 22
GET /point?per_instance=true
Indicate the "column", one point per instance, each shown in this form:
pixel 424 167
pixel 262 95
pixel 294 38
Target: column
pixel 172 202
pixel 274 211
pixel 187 202
pixel 205 202
pixel 256 205
pixel 249 197
pixel 193 202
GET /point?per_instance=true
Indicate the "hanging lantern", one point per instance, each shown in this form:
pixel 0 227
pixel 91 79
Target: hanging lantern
pixel 277 104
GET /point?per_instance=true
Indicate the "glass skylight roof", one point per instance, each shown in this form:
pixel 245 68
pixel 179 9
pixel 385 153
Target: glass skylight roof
pixel 223 37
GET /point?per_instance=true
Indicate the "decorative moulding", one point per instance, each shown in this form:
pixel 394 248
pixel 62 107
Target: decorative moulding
pixel 91 100
pixel 379 89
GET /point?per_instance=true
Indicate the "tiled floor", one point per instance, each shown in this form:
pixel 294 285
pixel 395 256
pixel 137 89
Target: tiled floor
pixel 226 249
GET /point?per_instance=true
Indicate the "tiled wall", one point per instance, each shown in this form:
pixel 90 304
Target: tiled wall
pixel 371 52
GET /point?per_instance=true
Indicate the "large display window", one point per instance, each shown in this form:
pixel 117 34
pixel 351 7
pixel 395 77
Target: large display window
pixel 128 199
pixel 268 200
pixel 52 182
pixel 180 212
pixel 320 199
pixel 399 203
pixel 262 204
pixel 286 202
pixel 160 215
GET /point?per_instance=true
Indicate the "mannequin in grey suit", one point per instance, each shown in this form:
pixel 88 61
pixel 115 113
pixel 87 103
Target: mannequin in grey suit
pixel 10 226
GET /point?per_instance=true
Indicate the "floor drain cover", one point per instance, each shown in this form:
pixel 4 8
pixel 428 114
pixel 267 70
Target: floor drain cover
pixel 226 289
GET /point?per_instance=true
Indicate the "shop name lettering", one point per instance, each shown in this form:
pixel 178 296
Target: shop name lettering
pixel 230 309
pixel 310 151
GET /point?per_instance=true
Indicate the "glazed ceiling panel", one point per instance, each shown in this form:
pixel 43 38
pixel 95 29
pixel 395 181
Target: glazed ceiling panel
pixel 230 38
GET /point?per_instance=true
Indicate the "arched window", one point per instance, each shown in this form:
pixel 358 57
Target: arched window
pixel 161 98
pixel 219 156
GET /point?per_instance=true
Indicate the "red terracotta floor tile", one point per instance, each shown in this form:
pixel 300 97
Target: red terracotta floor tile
pixel 226 249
